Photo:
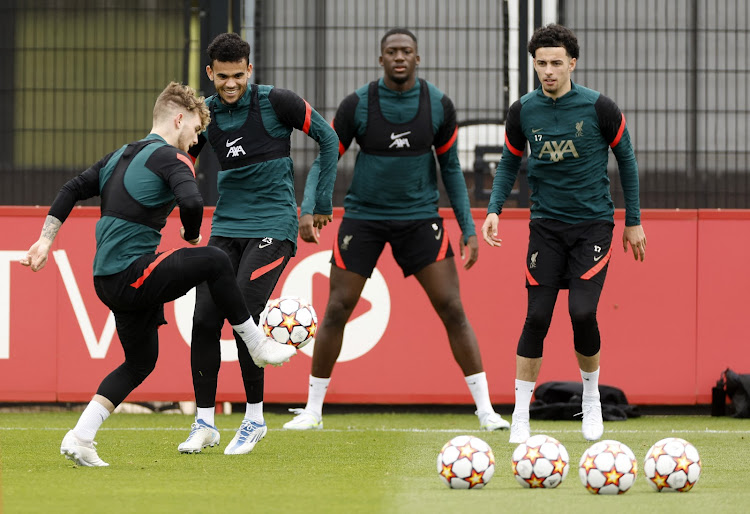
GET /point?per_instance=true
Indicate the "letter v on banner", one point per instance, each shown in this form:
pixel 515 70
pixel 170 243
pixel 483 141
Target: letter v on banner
pixel 97 349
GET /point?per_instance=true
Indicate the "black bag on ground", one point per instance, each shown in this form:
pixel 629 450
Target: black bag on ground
pixel 738 390
pixel 562 400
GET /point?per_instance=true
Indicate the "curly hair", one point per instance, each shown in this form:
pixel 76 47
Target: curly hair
pixel 179 96
pixel 553 35
pixel 228 47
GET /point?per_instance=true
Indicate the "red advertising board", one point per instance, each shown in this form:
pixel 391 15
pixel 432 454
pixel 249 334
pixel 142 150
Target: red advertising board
pixel 669 325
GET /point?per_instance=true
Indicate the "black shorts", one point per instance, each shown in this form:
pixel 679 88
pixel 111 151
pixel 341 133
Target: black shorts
pixel 258 264
pixel 559 252
pixel 415 244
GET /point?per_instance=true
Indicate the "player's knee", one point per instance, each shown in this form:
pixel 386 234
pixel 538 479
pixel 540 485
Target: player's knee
pixel 451 312
pixel 582 316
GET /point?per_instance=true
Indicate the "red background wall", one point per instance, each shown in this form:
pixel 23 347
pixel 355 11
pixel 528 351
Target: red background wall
pixel 669 325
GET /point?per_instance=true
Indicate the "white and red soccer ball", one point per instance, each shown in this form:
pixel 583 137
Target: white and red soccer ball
pixel 466 462
pixel 289 320
pixel 608 467
pixel 672 464
pixel 540 462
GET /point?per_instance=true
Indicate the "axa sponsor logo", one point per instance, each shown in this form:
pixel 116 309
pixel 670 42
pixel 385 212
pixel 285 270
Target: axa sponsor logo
pixel 235 150
pixel 400 140
pixel 556 150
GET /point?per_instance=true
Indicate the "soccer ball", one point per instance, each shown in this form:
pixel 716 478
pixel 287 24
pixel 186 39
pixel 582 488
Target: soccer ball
pixel 466 462
pixel 608 467
pixel 672 464
pixel 289 320
pixel 540 462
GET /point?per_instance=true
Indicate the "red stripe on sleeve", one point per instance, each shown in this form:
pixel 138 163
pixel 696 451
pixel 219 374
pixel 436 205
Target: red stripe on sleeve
pixel 447 146
pixel 151 267
pixel 308 113
pixel 265 269
pixel 619 133
pixel 596 269
pixel 513 150
pixel 187 161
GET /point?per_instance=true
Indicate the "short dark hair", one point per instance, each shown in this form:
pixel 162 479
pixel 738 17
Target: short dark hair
pixel 553 35
pixel 398 30
pixel 228 47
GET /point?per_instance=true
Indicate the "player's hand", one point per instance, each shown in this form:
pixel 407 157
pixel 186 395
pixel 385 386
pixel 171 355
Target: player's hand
pixel 489 230
pixel 309 227
pixel 36 257
pixel 636 238
pixel 473 245
pixel 193 242
pixel 321 220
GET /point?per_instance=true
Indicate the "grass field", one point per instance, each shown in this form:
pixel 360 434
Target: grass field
pixel 362 462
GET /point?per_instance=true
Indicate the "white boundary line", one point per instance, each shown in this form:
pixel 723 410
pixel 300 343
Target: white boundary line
pixel 382 429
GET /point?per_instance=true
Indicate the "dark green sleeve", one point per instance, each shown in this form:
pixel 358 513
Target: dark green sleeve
pixel 510 163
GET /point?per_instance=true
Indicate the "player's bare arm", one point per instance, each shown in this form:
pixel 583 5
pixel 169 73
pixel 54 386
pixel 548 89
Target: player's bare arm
pixel 489 230
pixel 36 257
pixel 636 238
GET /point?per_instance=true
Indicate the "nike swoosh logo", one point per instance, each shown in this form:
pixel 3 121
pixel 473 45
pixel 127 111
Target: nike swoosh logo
pixel 231 143
pixel 440 233
pixel 263 245
pixel 402 134
pixel 597 258
pixel 534 131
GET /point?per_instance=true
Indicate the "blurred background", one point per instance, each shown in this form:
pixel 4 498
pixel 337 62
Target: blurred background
pixel 80 78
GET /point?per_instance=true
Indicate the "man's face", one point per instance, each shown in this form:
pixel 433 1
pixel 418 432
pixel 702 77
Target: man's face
pixel 230 79
pixel 399 58
pixel 190 127
pixel 553 67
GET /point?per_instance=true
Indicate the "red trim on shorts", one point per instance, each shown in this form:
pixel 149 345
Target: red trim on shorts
pixel 265 269
pixel 443 248
pixel 138 283
pixel 308 113
pixel 188 161
pixel 619 133
pixel 599 265
pixel 515 151
pixel 532 281
pixel 337 255
pixel 447 146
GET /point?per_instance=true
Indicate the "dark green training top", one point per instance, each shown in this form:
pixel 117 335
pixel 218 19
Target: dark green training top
pixel 399 134
pixel 139 185
pixel 568 140
pixel 251 139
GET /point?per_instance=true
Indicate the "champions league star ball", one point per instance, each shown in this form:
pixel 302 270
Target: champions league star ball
pixel 672 464
pixel 466 462
pixel 540 462
pixel 608 467
pixel 289 320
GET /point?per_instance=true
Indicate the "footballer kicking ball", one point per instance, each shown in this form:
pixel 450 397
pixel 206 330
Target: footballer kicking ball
pixel 608 467
pixel 289 320
pixel 540 462
pixel 672 464
pixel 466 462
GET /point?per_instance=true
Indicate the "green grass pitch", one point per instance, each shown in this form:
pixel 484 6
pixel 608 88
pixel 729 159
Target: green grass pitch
pixel 361 463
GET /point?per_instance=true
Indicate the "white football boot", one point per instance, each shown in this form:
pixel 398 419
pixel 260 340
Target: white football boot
pixel 491 421
pixel 520 430
pixel 247 436
pixel 592 425
pixel 304 420
pixel 201 436
pixel 83 454
pixel 271 352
